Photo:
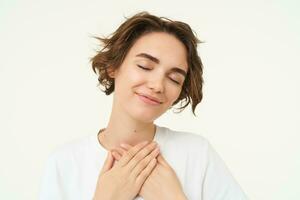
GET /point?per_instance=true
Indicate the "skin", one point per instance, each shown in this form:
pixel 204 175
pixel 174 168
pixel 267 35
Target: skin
pixel 123 180
pixel 161 175
pixel 131 120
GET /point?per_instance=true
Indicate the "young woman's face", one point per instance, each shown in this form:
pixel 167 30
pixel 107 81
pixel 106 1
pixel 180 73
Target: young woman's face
pixel 155 66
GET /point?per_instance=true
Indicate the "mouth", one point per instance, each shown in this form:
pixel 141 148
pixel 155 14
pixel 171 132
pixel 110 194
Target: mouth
pixel 148 100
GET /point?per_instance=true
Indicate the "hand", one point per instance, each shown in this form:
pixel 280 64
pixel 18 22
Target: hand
pixel 161 175
pixel 124 179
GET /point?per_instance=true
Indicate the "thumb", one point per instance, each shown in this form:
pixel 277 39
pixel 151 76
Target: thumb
pixel 107 164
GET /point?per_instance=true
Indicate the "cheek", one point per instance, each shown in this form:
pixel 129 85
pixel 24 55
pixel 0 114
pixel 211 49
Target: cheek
pixel 176 97
pixel 172 93
pixel 127 78
pixel 136 77
pixel 127 83
pixel 133 76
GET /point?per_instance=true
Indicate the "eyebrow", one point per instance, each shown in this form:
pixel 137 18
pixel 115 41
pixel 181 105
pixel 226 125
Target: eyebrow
pixel 156 60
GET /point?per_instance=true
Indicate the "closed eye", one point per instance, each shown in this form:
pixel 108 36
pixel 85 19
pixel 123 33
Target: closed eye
pixel 147 69
pixel 140 66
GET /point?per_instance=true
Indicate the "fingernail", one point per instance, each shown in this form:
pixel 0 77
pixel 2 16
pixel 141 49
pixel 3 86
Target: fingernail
pixel 123 145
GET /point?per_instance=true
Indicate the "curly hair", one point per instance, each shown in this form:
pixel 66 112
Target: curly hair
pixel 117 45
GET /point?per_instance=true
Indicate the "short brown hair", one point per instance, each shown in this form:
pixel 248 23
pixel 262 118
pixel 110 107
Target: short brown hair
pixel 117 45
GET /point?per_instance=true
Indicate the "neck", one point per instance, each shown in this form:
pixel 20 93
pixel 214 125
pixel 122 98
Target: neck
pixel 124 129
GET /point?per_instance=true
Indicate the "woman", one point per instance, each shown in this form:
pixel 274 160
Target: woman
pixel 150 64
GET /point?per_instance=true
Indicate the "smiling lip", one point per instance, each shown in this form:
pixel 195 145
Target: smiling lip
pixel 148 100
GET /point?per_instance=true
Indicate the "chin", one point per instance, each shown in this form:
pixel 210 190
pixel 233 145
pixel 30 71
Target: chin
pixel 144 115
pixel 142 112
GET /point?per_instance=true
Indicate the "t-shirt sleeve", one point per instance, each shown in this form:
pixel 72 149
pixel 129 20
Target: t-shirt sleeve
pixel 50 187
pixel 218 183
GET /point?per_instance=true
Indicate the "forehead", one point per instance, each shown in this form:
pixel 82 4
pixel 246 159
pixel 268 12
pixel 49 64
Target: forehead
pixel 166 47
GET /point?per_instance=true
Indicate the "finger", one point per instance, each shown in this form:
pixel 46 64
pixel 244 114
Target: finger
pixel 126 146
pixel 131 153
pixel 116 155
pixel 141 155
pixel 143 163
pixel 146 172
pixel 108 163
pixel 120 150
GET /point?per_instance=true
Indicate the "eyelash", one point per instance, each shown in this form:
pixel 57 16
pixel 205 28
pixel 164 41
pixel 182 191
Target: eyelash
pixel 147 69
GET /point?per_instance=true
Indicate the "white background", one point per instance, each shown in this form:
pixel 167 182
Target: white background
pixel 250 111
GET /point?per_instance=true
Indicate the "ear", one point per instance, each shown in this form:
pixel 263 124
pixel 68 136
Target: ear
pixel 111 72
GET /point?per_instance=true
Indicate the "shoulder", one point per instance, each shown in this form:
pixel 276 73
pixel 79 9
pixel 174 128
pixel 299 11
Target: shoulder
pixel 185 142
pixel 186 138
pixel 66 152
pixel 186 150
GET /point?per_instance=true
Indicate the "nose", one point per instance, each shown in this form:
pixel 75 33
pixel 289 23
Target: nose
pixel 156 83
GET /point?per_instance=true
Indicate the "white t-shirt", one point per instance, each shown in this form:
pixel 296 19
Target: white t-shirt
pixel 72 170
